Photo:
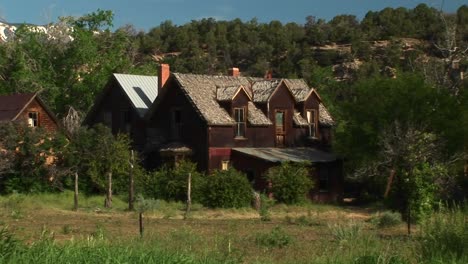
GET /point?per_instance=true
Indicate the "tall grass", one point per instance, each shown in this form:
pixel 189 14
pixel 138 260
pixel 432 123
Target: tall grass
pixel 444 237
pixel 89 251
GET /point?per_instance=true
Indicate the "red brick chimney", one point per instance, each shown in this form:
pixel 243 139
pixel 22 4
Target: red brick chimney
pixel 163 75
pixel 268 75
pixel 234 72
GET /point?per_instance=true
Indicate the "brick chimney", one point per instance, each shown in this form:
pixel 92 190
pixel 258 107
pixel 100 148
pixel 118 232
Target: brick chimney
pixel 268 75
pixel 163 75
pixel 234 72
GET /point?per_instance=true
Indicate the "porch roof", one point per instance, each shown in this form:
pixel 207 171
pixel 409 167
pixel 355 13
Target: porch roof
pixel 289 154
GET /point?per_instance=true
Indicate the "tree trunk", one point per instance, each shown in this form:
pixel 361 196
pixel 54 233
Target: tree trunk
pixel 75 205
pixel 131 193
pixel 108 201
pixel 389 182
pixel 189 195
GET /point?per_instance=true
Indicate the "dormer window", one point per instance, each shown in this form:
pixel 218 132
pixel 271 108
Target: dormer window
pixel 239 118
pixel 33 119
pixel 311 116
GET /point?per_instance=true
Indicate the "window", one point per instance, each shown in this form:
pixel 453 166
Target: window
pixel 239 117
pixel 33 119
pixel 280 129
pixel 107 118
pixel 176 123
pixel 311 116
pixel 324 179
pixel 225 165
pixel 126 121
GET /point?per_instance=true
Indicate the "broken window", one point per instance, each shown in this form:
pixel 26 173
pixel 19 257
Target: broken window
pixel 33 119
pixel 311 116
pixel 225 165
pixel 176 123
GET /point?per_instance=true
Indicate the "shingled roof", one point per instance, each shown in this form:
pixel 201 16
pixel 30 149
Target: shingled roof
pixel 11 106
pixel 325 117
pixel 206 91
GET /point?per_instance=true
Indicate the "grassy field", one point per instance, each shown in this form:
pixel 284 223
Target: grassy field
pixel 44 229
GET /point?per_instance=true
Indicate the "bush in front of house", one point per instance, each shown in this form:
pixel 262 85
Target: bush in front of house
pixel 227 189
pixel 290 182
pixel 170 184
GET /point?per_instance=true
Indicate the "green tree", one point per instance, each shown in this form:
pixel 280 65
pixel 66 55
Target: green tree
pixel 108 160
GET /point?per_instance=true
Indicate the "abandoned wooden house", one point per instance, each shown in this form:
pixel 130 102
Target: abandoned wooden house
pixel 249 123
pixel 27 108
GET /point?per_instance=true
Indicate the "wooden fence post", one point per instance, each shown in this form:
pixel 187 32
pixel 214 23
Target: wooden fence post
pixel 189 194
pixel 108 201
pixel 131 193
pixel 75 206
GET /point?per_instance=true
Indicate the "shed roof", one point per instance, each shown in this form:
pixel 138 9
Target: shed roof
pixel 12 105
pixel 288 154
pixel 140 89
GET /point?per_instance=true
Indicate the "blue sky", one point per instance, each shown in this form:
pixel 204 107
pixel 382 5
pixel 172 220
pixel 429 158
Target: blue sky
pixel 145 14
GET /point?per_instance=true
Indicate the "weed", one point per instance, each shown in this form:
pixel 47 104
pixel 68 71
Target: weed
pixel 346 232
pixel 276 238
pixel 66 229
pixel 99 233
pixel 386 219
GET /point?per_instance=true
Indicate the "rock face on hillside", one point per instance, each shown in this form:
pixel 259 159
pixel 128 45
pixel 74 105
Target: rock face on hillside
pixel 54 31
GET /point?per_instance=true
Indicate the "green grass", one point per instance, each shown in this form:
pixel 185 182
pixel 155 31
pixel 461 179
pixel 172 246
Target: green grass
pixel 43 229
pixel 61 200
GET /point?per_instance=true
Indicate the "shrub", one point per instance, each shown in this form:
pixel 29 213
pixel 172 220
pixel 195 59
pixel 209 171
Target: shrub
pixel 290 182
pixel 265 205
pixel 276 238
pixel 386 219
pixel 349 232
pixel 227 189
pixel 170 184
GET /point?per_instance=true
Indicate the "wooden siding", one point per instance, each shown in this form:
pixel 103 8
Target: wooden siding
pixel 193 130
pixel 45 120
pixel 116 103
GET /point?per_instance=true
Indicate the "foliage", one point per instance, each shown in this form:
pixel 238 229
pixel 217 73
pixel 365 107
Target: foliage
pixel 29 158
pixel 276 238
pixel 170 184
pixel 227 189
pixel 290 182
pixel 386 219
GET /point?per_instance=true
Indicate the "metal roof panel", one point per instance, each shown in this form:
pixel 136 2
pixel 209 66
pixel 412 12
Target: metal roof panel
pixel 140 89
